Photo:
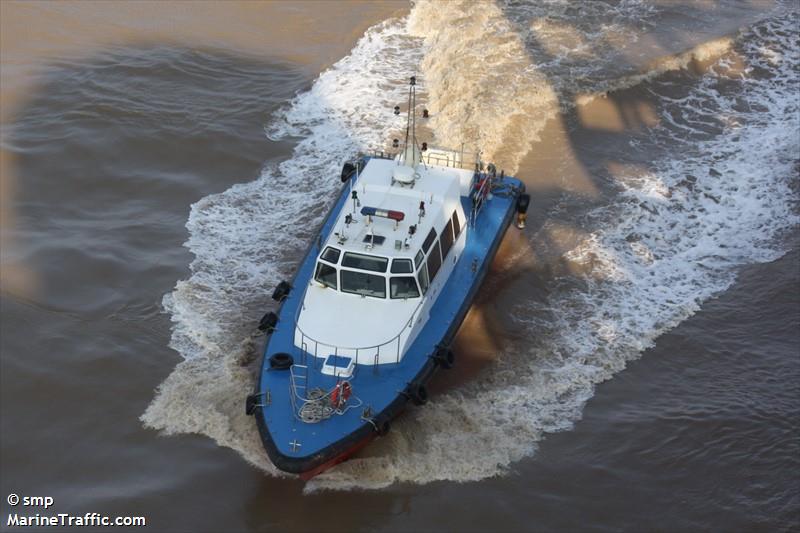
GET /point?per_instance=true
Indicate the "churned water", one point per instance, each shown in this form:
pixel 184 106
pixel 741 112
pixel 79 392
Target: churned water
pixel 631 363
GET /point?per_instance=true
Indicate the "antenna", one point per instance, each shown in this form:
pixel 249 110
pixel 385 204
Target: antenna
pixel 414 112
pixel 411 126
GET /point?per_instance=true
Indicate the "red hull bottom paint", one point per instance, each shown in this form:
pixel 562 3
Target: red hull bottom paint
pixel 305 476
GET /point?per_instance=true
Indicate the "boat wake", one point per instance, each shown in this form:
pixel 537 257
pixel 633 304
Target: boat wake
pixel 669 237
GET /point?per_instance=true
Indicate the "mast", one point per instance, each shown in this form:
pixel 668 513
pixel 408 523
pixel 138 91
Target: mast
pixel 411 153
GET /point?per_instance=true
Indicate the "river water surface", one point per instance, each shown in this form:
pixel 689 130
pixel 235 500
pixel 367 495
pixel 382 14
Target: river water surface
pixel 631 363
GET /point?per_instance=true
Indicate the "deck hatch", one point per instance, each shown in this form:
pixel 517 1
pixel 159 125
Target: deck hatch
pixel 376 240
pixel 338 365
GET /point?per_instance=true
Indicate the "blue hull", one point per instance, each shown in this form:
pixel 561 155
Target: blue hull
pixel 307 449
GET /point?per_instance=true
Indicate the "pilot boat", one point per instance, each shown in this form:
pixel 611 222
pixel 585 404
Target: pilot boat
pixel 373 307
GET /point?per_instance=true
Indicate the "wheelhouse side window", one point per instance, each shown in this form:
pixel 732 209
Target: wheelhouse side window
pixel 331 255
pixel 447 238
pixel 434 261
pixel 419 259
pixel 363 283
pixel 403 287
pixel 429 240
pixel 456 223
pixel 422 277
pixel 326 275
pixel 402 266
pixel 365 262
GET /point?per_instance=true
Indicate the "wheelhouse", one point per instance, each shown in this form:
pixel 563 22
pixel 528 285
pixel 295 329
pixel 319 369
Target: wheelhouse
pixel 366 275
pixel 369 275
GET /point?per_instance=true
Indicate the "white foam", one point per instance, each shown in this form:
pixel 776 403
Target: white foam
pixel 515 65
pixel 248 238
pixel 663 247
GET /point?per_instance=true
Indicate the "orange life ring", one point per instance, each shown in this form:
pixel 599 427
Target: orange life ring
pixel 341 393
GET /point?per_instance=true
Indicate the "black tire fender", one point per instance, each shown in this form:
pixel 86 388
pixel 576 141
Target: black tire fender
pixel 382 427
pixel 281 292
pixel 445 358
pixel 418 393
pixel 268 322
pixel 250 404
pixel 523 201
pixel 280 361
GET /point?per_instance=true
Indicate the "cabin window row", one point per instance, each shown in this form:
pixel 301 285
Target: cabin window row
pixel 429 259
pixel 371 263
pixel 427 263
pixel 364 284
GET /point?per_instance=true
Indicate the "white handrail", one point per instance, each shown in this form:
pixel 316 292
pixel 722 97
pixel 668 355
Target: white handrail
pixel 408 324
pixel 457 161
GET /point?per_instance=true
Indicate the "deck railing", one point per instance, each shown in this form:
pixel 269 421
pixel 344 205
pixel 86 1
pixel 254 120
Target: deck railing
pixel 479 195
pixel 375 354
pixel 444 157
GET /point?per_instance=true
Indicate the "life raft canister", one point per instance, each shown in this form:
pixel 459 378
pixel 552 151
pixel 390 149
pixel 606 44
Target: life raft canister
pixel 340 394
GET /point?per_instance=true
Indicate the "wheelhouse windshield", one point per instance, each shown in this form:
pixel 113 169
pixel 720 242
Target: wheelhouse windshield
pixel 363 284
pixel 365 262
pixel 326 275
pixel 403 287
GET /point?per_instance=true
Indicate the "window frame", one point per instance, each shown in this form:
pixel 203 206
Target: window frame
pixel 361 273
pixel 413 279
pixel 371 257
pixel 429 240
pixel 419 259
pixel 447 232
pixel 422 272
pixel 317 269
pixel 337 250
pixel 437 254
pixel 456 224
pixel 402 260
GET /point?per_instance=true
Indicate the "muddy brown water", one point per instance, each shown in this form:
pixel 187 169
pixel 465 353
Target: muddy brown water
pixel 119 117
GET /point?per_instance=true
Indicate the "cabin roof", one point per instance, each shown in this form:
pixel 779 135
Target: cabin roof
pixel 438 187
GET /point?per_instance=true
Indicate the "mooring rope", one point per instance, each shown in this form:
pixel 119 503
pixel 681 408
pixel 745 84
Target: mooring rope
pixel 318 406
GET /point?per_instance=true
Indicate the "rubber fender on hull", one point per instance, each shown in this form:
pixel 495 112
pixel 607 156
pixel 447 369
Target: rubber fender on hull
pixel 444 357
pixel 382 427
pixel 350 169
pixel 523 201
pixel 250 404
pixel 268 322
pixel 280 361
pixel 281 291
pixel 417 393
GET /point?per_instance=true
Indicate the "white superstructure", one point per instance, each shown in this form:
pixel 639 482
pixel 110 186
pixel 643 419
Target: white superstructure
pixel 393 245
